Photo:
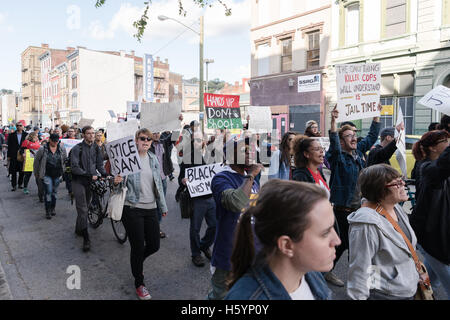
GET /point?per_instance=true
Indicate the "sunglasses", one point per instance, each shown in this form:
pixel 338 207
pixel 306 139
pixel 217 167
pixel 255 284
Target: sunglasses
pixel 145 139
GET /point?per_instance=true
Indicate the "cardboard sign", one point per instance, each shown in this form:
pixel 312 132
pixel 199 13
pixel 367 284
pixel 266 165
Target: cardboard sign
pixel 358 91
pixel 85 122
pixel 437 99
pixel 222 111
pixel 199 179
pixel 69 144
pixel 124 157
pixel 160 117
pixel 116 131
pixel 260 119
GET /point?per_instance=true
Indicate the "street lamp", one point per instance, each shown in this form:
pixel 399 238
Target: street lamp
pixel 207 62
pixel 201 85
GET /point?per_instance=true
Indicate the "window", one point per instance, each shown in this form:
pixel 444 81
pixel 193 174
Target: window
pixel 313 54
pixel 74 102
pixel 74 65
pixel 395 21
pixel 263 52
pixel 407 105
pixel 74 82
pixel 286 54
pixel 352 24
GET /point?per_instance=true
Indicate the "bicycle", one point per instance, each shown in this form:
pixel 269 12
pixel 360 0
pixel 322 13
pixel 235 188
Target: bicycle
pixel 98 207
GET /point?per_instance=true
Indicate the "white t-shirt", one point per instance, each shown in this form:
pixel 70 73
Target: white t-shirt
pixel 303 292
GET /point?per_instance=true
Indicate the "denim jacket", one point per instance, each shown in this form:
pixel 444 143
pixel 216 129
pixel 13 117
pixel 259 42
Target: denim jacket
pixel 133 184
pixel 345 168
pixel 278 169
pixel 260 283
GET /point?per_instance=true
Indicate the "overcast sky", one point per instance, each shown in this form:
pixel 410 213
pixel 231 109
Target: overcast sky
pixel 74 23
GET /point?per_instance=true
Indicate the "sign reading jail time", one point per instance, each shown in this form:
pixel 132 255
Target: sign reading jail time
pixel 222 111
pixel 358 91
pixel 124 157
pixel 199 178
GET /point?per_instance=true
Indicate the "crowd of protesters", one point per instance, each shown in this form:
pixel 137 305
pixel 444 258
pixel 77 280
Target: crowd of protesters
pixel 256 250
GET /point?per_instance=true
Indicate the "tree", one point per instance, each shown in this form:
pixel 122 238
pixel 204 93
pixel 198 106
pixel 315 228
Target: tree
pixel 141 24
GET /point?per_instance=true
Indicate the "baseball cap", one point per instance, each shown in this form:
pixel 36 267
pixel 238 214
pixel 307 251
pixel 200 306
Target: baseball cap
pixel 387 132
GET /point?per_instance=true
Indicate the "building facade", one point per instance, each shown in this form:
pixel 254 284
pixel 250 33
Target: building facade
pixel 411 41
pixel 31 82
pixel 161 81
pixel 290 44
pixel 190 95
pixel 99 82
pixel 175 87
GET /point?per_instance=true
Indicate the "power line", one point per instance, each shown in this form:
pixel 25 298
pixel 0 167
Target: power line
pixel 171 41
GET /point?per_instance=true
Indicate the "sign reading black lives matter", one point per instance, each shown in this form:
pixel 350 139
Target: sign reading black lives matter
pixel 358 91
pixel 199 179
pixel 124 157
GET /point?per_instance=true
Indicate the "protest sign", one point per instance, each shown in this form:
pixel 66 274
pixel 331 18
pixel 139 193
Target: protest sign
pixel 29 161
pixel 85 122
pixel 260 119
pixel 160 117
pixel 324 142
pixel 223 111
pixel 199 179
pixel 437 99
pixel 69 144
pixel 132 109
pixel 124 157
pixel 401 145
pixel 358 91
pixel 116 131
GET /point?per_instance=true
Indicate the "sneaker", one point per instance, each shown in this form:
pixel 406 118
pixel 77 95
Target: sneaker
pixel 333 279
pixel 13 189
pixel 198 261
pixel 25 191
pixel 142 293
pixel 207 253
pixel 162 235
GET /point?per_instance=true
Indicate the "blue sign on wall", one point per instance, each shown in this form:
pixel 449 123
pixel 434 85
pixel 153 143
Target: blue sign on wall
pixel 148 77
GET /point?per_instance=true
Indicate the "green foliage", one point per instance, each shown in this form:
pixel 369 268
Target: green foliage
pixel 141 24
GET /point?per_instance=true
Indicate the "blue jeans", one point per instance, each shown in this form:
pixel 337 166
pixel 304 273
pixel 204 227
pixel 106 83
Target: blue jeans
pixel 51 189
pixel 438 272
pixel 164 183
pixel 203 209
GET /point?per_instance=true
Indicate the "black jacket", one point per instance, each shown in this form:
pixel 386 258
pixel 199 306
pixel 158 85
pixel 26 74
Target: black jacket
pixel 303 174
pixel 13 144
pixel 381 155
pixel 167 143
pixel 431 216
pixel 86 165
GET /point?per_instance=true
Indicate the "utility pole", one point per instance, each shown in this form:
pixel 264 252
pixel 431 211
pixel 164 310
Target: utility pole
pixel 201 91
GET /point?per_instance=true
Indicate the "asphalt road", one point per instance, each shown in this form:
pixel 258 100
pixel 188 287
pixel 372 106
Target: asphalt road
pixel 36 254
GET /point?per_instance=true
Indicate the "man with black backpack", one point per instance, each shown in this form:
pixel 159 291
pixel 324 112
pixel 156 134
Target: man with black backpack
pixel 86 163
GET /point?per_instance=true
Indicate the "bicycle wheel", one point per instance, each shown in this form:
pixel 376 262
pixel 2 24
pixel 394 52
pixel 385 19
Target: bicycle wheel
pixel 119 231
pixel 95 212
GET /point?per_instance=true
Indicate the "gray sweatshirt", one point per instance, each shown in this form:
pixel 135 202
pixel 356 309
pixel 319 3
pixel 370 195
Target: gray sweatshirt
pixel 379 258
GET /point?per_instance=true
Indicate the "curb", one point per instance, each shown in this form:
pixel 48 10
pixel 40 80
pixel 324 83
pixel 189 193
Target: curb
pixel 5 292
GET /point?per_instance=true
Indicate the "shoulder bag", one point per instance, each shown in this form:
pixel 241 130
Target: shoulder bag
pixel 424 289
pixel 116 202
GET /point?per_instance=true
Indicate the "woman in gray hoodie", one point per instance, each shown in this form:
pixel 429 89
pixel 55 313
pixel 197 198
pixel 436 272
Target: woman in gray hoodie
pixel 380 262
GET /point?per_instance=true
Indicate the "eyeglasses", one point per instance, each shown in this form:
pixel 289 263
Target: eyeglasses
pixel 398 184
pixel 145 139
pixel 349 135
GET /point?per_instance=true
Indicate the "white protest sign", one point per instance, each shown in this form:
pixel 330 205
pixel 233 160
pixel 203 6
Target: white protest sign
pixel 160 117
pixel 124 157
pixel 358 91
pixel 116 131
pixel 324 142
pixel 69 144
pixel 437 99
pixel 401 145
pixel 199 178
pixel 85 122
pixel 260 119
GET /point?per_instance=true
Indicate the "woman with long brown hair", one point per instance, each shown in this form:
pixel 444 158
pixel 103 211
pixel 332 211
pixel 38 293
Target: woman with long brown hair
pixel 297 243
pixel 282 159
pixel 431 215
